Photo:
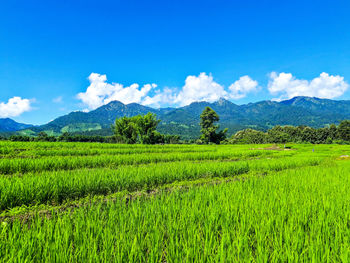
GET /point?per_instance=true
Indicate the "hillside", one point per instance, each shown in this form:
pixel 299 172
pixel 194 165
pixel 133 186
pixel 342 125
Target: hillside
pixel 184 121
pixel 9 125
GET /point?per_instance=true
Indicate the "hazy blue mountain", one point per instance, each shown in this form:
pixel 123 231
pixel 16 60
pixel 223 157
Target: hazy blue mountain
pixel 9 125
pixel 184 121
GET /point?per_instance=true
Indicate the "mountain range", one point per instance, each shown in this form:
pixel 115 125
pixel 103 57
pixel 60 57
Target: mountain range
pixel 184 121
pixel 9 125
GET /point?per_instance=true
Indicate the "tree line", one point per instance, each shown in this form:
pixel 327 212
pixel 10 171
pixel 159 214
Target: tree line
pixel 143 130
pixel 301 134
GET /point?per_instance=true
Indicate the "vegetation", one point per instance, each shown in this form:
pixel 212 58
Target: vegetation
pixel 142 129
pixel 184 121
pixel 208 128
pixel 138 129
pixel 79 202
pixel 300 134
pixel 343 131
pixel 278 134
pixel 128 200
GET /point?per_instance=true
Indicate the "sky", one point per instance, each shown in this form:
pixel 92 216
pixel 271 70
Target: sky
pixel 63 56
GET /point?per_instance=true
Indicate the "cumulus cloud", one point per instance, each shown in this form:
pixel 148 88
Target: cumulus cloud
pixel 240 88
pixel 100 92
pixel 196 88
pixel 14 107
pixel 201 88
pixel 160 98
pixel 325 86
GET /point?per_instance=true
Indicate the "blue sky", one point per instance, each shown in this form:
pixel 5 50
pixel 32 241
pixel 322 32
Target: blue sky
pixel 60 56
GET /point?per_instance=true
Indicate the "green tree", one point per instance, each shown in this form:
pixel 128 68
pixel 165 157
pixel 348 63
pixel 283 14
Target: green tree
pixel 309 135
pixel 249 136
pixel 126 129
pixel 138 129
pixel 208 128
pixel 147 126
pixel 344 130
pixel 278 135
pixel 333 132
pixel 64 137
pixel 43 137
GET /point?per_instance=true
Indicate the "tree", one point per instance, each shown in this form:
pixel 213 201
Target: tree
pixel 138 129
pixel 43 137
pixel 125 129
pixel 333 132
pixel 278 135
pixel 147 126
pixel 249 136
pixel 344 130
pixel 309 135
pixel 64 137
pixel 208 128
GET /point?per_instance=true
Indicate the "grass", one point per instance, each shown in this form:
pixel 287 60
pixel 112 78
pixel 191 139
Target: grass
pixel 186 205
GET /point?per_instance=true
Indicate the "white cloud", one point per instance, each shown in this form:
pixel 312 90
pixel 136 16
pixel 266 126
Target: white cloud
pixel 196 88
pixel 201 88
pixel 14 107
pixel 325 86
pixel 240 88
pixel 160 98
pixel 100 92
pixel 130 94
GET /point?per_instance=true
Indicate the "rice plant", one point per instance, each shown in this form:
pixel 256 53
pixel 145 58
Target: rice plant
pixel 286 205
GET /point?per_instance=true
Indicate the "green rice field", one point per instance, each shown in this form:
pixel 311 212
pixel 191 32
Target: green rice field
pixel 92 202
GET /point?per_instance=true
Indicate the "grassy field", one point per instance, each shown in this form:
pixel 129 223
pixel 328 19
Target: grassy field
pixel 90 202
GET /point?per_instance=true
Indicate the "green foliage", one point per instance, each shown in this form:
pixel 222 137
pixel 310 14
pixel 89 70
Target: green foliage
pixel 67 202
pixel 147 126
pixel 81 127
pixel 184 121
pixel 208 128
pixel 300 134
pixel 138 129
pixel 249 136
pixel 344 130
pixel 126 129
pixel 20 138
pixel 277 134
pixel 43 137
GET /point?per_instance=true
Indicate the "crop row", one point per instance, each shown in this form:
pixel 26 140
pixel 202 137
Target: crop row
pixel 55 187
pixel 94 152
pixel 99 146
pixel 294 216
pixel 38 149
pixel 25 165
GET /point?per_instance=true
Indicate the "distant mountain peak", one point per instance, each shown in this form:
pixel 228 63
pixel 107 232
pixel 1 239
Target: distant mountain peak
pixel 222 101
pixel 113 103
pixel 184 121
pixel 9 125
pixel 300 99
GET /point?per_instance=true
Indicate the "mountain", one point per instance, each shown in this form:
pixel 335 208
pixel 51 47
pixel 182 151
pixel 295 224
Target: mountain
pixel 326 106
pixel 99 119
pixel 184 121
pixel 9 125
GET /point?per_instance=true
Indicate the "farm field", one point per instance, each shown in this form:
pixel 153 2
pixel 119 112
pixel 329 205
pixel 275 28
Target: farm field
pixel 91 202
